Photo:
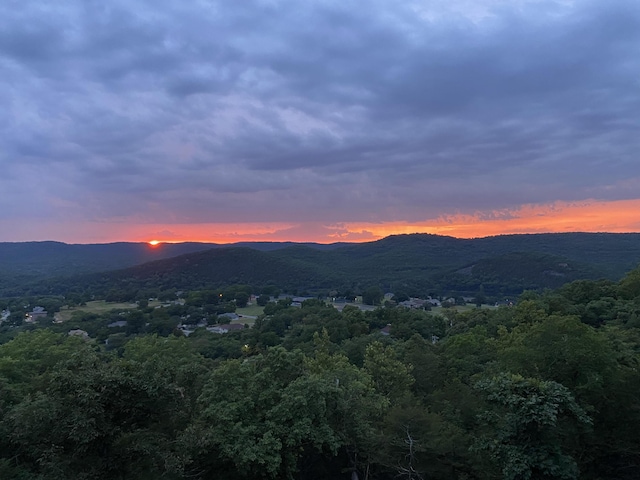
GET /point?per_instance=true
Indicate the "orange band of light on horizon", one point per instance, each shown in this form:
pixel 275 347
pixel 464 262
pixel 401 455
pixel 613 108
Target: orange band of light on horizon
pixel 587 216
pixel 621 216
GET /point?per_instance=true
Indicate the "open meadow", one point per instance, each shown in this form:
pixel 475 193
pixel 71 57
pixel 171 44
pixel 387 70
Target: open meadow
pixel 98 307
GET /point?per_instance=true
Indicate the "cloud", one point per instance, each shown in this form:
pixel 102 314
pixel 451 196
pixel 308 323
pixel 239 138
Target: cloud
pixel 321 111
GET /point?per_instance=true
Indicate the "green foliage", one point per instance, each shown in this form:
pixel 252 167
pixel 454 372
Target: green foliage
pixel 241 299
pixel 105 418
pixel 372 296
pixel 415 442
pixel 262 300
pixel 544 389
pixel 260 414
pixel 467 354
pixel 391 377
pixel 561 349
pixel 629 287
pixel 528 425
pixel 27 361
pixel 414 264
pixel 424 360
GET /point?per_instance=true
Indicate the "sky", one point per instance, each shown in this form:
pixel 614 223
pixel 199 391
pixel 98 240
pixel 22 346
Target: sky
pixel 317 120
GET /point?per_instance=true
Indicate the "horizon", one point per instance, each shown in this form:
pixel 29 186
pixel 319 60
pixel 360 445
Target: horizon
pixel 578 217
pixel 157 243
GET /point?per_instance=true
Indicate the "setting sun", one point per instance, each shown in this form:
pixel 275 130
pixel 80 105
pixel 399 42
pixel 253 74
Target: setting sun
pixel 154 243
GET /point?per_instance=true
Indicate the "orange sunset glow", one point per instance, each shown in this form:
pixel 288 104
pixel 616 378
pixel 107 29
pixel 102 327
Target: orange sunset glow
pixel 587 216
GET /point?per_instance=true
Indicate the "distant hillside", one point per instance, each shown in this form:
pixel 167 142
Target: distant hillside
pixel 234 265
pixel 613 254
pixel 416 264
pixel 502 265
pixel 52 259
pixel 47 259
pixel 517 271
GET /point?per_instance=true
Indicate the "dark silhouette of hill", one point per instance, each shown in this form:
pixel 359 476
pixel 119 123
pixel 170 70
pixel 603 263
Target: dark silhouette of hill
pixel 46 259
pixel 501 264
pixel 417 263
pixel 50 259
pixel 223 266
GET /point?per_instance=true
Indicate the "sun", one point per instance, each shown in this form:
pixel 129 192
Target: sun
pixel 154 243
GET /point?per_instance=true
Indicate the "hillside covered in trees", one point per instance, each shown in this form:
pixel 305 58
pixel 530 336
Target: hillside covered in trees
pixel 548 388
pixel 418 264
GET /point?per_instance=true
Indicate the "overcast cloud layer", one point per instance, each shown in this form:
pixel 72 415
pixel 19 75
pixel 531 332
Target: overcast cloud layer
pixel 329 111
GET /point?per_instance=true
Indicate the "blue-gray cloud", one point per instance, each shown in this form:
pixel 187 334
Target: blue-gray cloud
pixel 333 111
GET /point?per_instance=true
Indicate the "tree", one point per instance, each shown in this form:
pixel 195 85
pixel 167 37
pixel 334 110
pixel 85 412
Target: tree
pixel 528 425
pixel 561 349
pixel 263 415
pixel 629 286
pixel 135 322
pixel 100 417
pixel 262 300
pixel 241 298
pixel 27 361
pixel 426 371
pixel 466 354
pixel 400 297
pixel 93 422
pixel 480 297
pixel 391 377
pixel 372 296
pixel 143 303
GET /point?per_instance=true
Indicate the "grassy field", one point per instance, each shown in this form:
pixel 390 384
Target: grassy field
pixel 251 310
pixel 461 308
pixel 98 307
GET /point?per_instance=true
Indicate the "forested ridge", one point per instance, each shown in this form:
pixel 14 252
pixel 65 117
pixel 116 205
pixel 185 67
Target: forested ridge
pixel 547 388
pixel 420 264
pixel 48 259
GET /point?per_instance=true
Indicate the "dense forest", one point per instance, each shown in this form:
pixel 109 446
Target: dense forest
pixel 418 264
pixel 546 388
pixel 48 259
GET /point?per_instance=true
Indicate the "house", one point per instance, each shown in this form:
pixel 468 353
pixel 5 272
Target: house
pixel 386 331
pixel 79 333
pixel 118 324
pixel 36 314
pixel 188 328
pixel 298 301
pixel 229 316
pixel 434 302
pixel 413 303
pixel 226 328
pixel 504 303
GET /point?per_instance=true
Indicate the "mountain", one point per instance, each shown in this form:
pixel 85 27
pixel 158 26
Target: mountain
pixel 47 259
pixel 504 264
pixel 51 259
pixel 416 264
pixel 224 266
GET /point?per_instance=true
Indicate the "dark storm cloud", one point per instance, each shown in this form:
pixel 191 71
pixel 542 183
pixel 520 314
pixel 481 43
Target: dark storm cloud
pixel 324 110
